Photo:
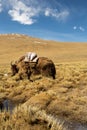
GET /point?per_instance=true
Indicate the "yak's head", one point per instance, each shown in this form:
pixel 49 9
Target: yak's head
pixel 14 68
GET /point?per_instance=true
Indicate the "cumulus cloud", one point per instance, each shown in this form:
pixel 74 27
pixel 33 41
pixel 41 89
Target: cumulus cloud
pixel 23 13
pixel 27 11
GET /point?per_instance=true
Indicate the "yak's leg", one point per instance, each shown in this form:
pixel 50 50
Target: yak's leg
pixel 53 76
pixel 29 74
pixel 14 70
pixel 20 76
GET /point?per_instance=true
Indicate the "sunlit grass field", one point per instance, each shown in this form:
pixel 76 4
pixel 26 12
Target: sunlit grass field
pixel 44 104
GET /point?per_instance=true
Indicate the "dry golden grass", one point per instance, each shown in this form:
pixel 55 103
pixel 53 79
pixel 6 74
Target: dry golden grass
pixel 64 98
pixel 13 46
pixel 29 118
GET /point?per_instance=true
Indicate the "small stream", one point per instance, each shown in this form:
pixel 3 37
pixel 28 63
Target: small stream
pixel 8 105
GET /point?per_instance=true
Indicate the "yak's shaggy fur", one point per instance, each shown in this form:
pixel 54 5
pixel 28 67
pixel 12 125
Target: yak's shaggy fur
pixel 43 66
pixel 46 67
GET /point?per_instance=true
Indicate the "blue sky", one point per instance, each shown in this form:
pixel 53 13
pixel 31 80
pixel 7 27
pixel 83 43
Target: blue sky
pixel 59 20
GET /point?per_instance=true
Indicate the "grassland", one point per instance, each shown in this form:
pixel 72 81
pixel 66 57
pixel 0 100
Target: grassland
pixel 45 103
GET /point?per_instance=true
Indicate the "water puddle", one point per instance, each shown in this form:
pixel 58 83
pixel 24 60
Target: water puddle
pixel 76 126
pixel 7 105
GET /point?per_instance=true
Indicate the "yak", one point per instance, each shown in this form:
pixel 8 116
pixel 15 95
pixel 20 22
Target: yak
pixel 43 66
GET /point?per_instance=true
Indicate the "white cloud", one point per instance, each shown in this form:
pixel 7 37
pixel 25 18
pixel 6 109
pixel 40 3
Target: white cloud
pixel 79 28
pixel 58 15
pixel 75 27
pixel 0 7
pixel 23 13
pixel 27 11
pixel 82 29
pixel 47 12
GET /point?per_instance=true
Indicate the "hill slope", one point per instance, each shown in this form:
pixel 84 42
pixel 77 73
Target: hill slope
pixel 12 46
